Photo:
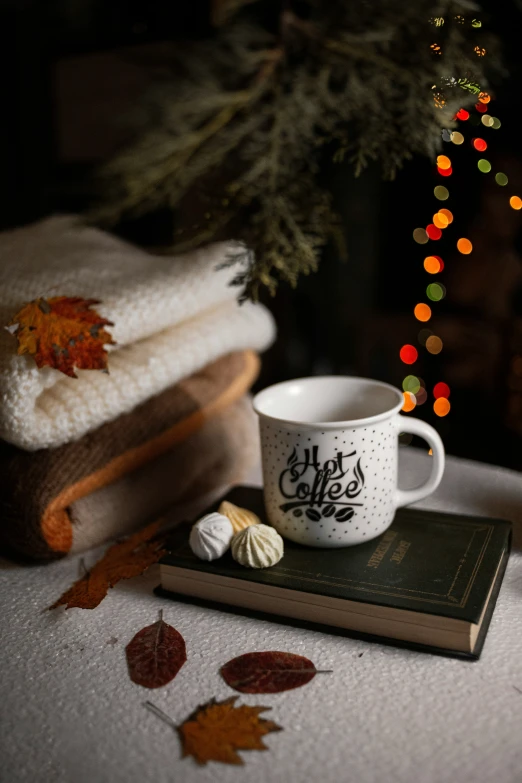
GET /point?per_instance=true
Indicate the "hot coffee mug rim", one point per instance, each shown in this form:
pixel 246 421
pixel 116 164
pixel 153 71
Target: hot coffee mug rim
pixel 329 425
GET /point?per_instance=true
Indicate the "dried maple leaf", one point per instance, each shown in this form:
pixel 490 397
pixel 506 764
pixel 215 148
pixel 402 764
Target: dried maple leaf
pixel 215 731
pixel 155 654
pixel 63 332
pixel 268 672
pixel 121 561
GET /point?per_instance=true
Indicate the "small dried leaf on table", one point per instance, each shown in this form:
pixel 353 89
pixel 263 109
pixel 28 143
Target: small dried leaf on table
pixel 62 332
pixel 122 560
pixel 215 731
pixel 268 672
pixel 155 654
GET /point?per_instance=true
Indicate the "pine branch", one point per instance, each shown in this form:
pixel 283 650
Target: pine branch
pixel 235 141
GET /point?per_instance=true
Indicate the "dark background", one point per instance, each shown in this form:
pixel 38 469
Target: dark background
pixel 69 82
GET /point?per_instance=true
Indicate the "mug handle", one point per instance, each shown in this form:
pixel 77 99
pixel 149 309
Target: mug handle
pixel 403 497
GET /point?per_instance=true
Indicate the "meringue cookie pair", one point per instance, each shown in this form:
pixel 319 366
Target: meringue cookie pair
pixel 253 545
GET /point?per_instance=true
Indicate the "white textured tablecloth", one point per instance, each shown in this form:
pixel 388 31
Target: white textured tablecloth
pixel 70 713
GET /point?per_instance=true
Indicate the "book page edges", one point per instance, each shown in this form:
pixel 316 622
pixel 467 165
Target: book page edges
pixel 447 633
pixel 474 630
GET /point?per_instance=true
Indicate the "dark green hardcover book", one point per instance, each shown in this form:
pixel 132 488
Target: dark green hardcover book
pixel 430 581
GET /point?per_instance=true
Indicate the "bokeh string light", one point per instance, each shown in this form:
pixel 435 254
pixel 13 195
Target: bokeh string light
pixel 442 406
pixel 433 232
pixel 440 220
pixel 464 246
pixel 441 390
pixel 441 193
pixel 479 145
pixel 409 354
pixel 414 388
pixel 433 264
pixel 422 312
pixel 420 236
pixel 435 291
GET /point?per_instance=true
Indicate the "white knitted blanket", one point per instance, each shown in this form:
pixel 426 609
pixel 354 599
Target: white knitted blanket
pixel 171 317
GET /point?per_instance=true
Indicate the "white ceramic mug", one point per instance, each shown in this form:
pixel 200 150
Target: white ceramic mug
pixel 330 452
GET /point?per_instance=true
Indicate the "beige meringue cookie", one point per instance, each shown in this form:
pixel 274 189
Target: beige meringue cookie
pixel 240 517
pixel 210 537
pixel 257 546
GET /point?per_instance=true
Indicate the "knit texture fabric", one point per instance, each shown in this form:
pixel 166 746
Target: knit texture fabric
pixel 181 482
pixel 129 458
pixel 171 316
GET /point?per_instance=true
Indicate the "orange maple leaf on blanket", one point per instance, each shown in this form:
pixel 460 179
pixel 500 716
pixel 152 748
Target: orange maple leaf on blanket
pixel 63 332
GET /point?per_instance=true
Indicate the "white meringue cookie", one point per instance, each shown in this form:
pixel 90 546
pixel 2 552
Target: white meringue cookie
pixel 257 546
pixel 211 536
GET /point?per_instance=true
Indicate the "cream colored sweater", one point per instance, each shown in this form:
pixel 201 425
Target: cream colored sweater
pixel 171 317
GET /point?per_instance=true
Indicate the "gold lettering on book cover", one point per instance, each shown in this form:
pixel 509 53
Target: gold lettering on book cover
pixel 400 551
pixel 381 549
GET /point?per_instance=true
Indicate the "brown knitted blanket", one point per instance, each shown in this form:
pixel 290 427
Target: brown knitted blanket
pixel 176 444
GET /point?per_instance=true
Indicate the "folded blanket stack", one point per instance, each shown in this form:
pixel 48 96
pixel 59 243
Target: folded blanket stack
pixel 86 459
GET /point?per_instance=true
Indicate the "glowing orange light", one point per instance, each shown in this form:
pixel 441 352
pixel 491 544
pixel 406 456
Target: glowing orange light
pixel 434 344
pixel 441 390
pixel 443 162
pixel 408 354
pixel 481 107
pixel 430 452
pixel 484 97
pixel 445 172
pixel 441 406
pixel 433 232
pixel 464 246
pixel 440 220
pixel 515 202
pixel 422 312
pixel 432 265
pixel 479 144
pixel 462 114
pixel 409 402
pixel 447 214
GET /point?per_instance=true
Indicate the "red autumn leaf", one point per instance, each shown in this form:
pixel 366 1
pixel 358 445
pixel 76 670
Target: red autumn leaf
pixel 155 655
pixel 62 332
pixel 121 561
pixel 268 672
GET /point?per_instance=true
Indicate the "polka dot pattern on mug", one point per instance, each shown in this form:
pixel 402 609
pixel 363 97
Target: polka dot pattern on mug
pixel 330 488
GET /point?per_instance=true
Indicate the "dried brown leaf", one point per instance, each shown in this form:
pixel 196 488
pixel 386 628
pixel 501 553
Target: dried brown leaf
pixel 122 560
pixel 218 729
